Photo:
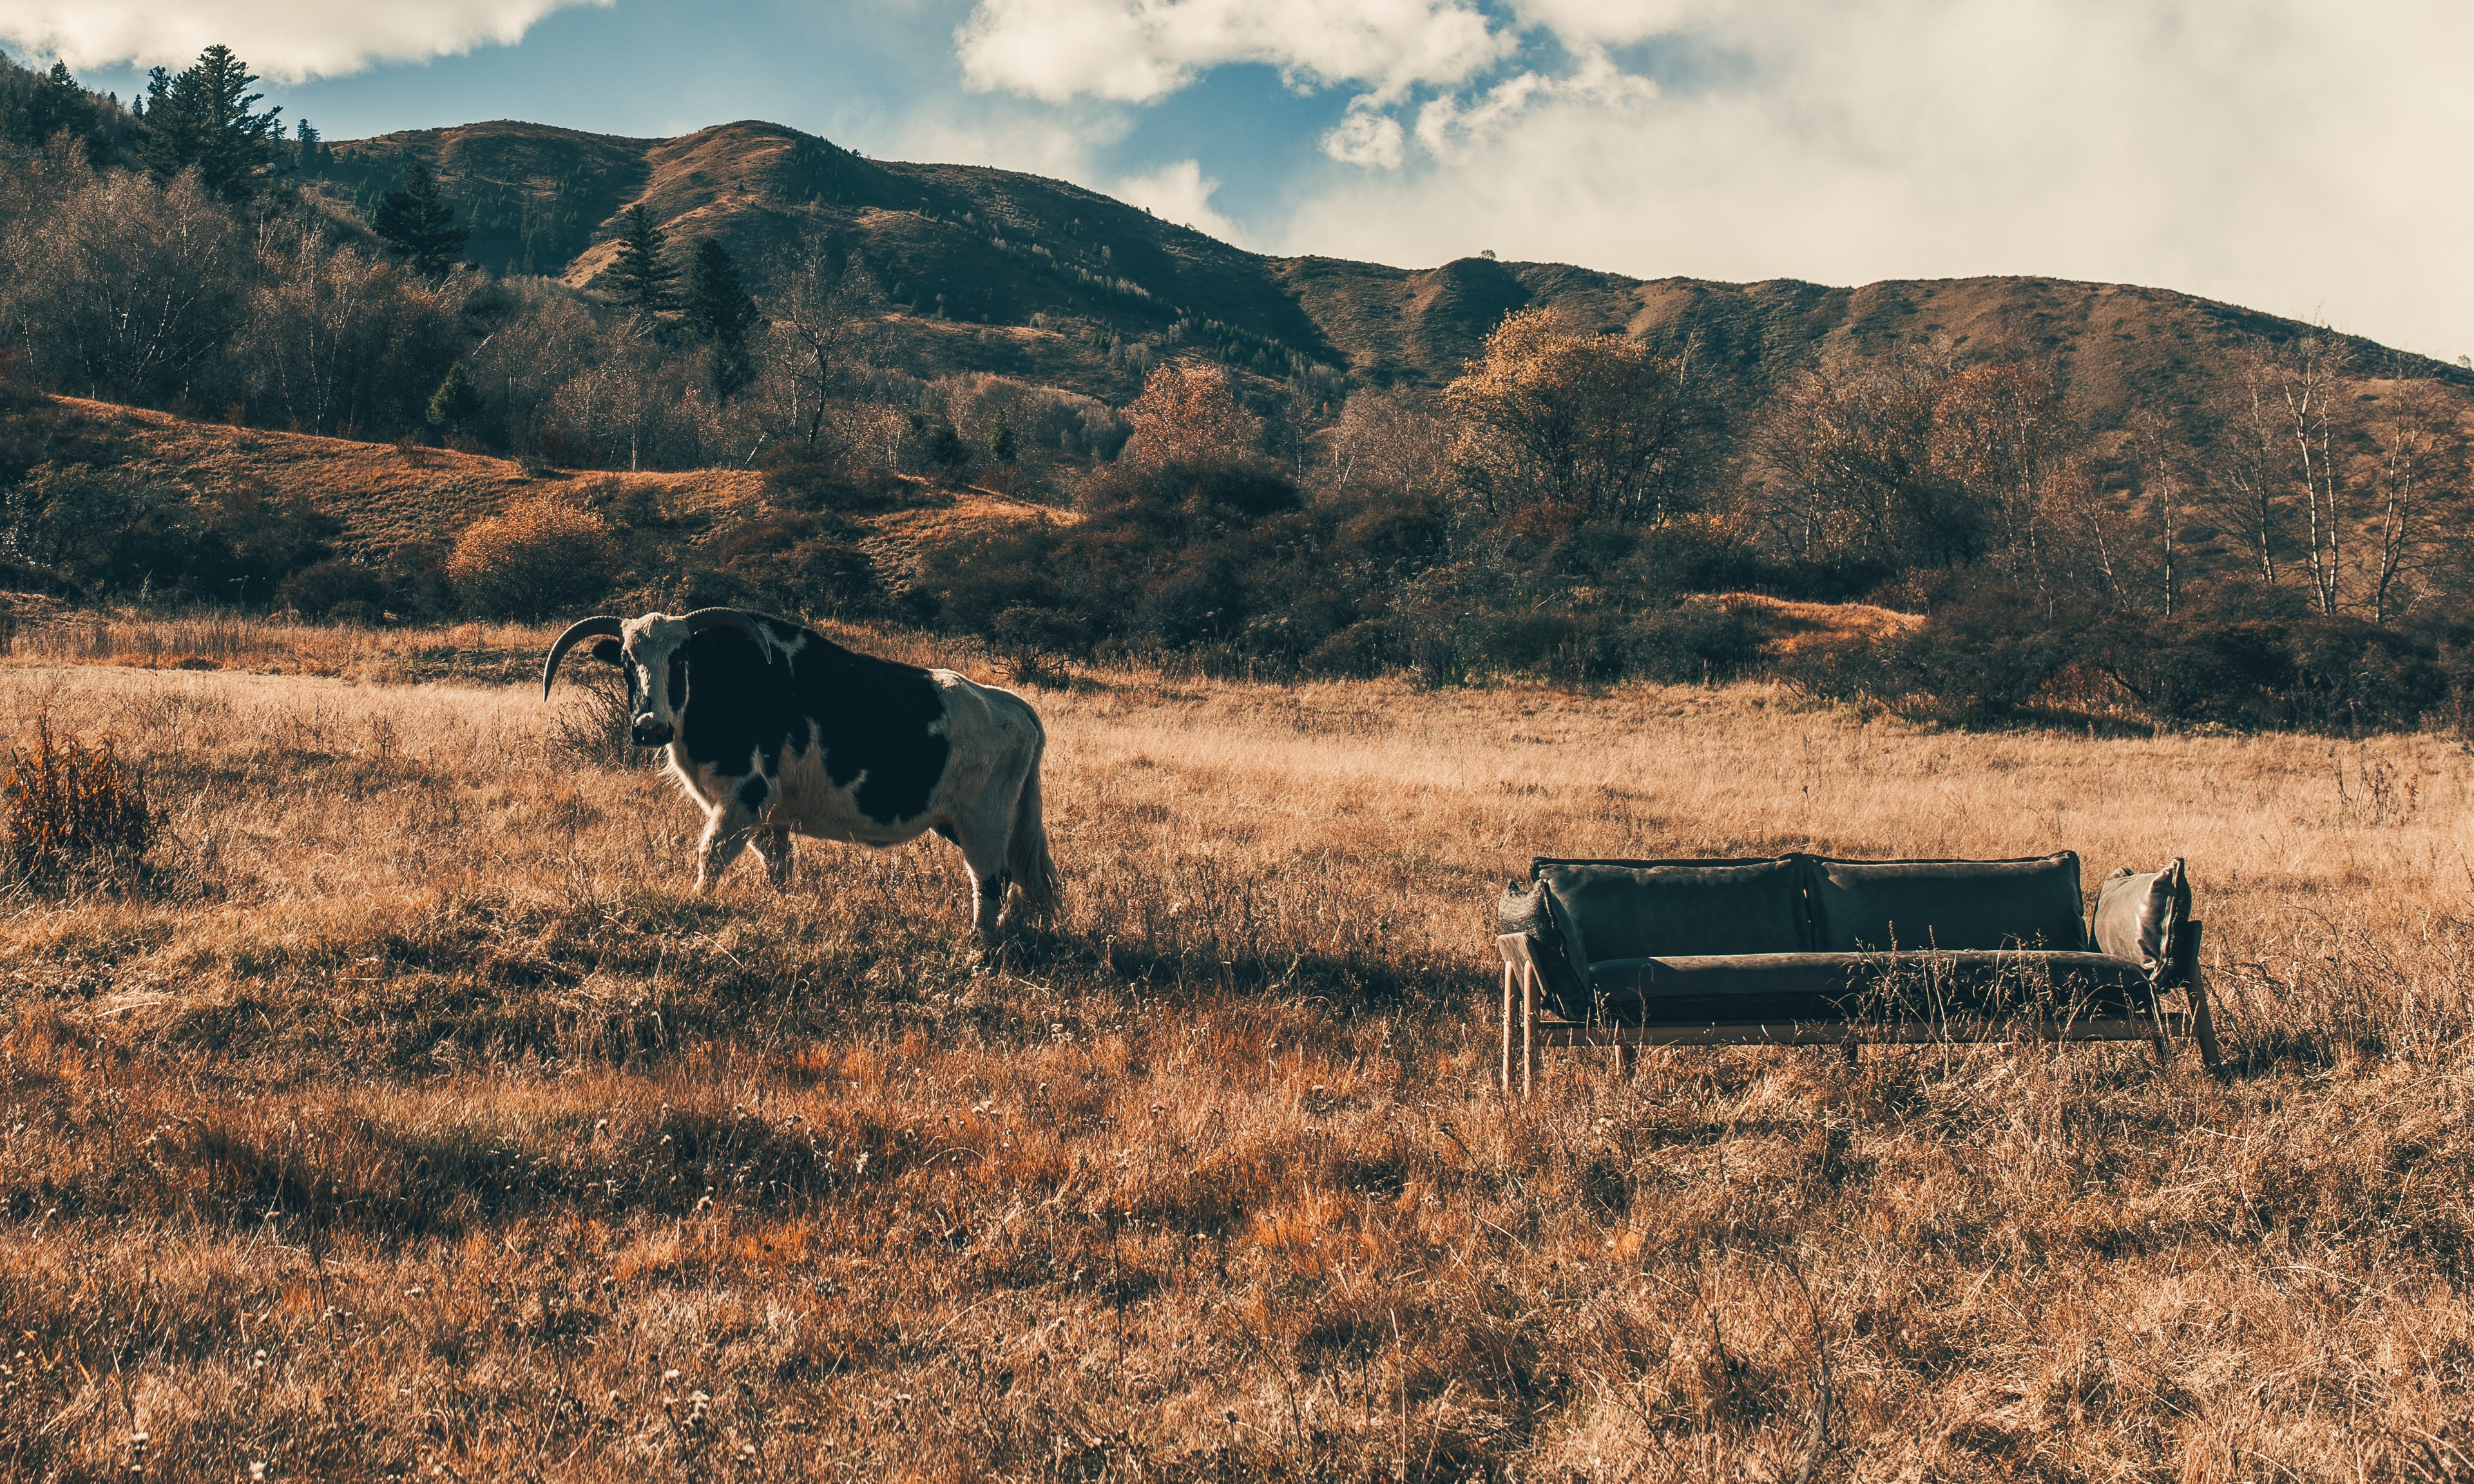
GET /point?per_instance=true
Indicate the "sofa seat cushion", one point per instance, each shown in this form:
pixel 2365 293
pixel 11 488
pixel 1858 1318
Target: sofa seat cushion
pixel 1769 989
pixel 1878 906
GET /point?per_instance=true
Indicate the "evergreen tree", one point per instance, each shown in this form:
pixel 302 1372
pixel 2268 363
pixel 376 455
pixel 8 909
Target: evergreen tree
pixel 640 278
pixel 56 104
pixel 719 312
pixel 418 223
pixel 202 117
pixel 310 156
pixel 456 402
pixel 1002 442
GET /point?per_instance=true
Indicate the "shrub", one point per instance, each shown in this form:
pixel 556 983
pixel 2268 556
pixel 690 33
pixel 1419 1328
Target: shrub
pixel 69 811
pixel 539 558
pixel 338 588
pixel 1695 643
pixel 788 561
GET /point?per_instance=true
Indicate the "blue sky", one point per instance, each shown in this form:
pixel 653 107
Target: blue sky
pixel 2299 157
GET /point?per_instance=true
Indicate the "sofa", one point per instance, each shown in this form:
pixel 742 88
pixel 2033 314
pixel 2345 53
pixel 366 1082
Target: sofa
pixel 1800 949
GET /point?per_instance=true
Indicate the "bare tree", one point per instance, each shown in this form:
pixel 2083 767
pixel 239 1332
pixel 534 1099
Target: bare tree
pixel 127 290
pixel 2002 437
pixel 340 342
pixel 2247 482
pixel 1390 442
pixel 2163 486
pixel 2415 465
pixel 2311 379
pixel 815 324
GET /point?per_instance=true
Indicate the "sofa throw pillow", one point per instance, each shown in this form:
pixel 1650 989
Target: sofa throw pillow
pixel 1659 909
pixel 1873 906
pixel 2136 913
pixel 1524 909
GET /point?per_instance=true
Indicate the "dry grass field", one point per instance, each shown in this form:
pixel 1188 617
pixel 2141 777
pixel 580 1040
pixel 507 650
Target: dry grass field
pixel 410 1118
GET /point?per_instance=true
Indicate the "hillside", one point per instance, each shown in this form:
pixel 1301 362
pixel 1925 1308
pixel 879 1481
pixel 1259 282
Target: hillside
pixel 388 498
pixel 1051 271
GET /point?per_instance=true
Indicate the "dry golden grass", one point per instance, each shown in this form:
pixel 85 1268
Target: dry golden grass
pixel 382 495
pixel 423 1124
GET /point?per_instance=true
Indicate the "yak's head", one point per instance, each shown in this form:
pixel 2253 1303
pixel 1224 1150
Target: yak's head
pixel 652 653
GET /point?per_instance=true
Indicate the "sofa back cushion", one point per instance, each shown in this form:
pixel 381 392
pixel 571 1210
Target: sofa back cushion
pixel 1872 906
pixel 2136 913
pixel 1656 909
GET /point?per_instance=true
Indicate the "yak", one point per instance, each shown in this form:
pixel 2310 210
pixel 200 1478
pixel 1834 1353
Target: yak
pixel 777 730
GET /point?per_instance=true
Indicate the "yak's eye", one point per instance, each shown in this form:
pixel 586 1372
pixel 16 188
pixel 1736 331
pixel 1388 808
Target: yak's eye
pixel 678 678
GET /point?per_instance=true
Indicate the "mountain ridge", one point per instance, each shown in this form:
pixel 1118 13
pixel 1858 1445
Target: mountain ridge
pixel 979 247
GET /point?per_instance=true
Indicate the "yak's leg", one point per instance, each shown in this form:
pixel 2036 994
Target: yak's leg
pixel 984 851
pixel 726 833
pixel 773 843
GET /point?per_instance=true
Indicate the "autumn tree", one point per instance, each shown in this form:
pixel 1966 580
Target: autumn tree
pixel 1188 414
pixel 1602 423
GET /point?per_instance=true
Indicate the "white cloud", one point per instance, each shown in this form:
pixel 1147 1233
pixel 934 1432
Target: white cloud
pixel 1131 51
pixel 2274 153
pixel 1449 129
pixel 1180 193
pixel 286 40
pixel 1365 135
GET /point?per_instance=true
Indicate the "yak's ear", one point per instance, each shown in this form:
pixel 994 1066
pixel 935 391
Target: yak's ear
pixel 607 652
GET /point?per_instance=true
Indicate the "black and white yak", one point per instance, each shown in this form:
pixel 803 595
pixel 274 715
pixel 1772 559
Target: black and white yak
pixel 778 731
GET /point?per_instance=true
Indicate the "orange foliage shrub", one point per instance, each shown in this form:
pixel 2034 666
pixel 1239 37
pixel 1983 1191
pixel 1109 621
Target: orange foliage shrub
pixel 539 558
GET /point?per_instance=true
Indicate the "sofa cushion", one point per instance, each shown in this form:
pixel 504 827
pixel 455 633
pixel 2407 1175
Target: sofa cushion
pixel 2136 914
pixel 1770 988
pixel 1874 906
pixel 1634 909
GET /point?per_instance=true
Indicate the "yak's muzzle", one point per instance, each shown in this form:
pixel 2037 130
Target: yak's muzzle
pixel 652 731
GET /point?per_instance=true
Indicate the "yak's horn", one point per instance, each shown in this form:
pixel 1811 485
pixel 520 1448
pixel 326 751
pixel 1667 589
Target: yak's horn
pixel 599 626
pixel 704 618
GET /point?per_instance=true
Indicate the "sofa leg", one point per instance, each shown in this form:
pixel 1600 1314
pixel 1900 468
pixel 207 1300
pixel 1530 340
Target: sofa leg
pixel 1528 1030
pixel 2204 1025
pixel 1504 1081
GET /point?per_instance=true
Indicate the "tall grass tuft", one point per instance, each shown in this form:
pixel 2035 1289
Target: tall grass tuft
pixel 70 810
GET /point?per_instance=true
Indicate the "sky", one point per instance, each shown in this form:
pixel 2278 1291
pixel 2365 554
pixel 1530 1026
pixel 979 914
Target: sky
pixel 2308 157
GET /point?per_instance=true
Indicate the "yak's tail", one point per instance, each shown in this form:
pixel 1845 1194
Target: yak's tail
pixel 1035 875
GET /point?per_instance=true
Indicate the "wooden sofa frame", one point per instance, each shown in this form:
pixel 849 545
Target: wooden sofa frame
pixel 1528 1027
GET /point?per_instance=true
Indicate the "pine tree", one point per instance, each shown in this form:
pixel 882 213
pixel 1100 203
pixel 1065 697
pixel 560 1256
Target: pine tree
pixel 456 402
pixel 640 278
pixel 202 117
pixel 719 312
pixel 55 104
pixel 1002 442
pixel 418 223
pixel 309 156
